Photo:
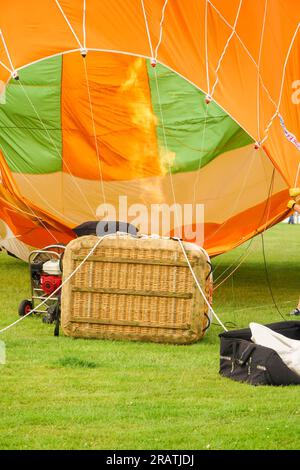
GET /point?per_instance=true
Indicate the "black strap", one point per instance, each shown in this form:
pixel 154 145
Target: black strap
pixel 57 319
pixel 56 329
pixel 208 322
pixel 210 265
pixel 246 353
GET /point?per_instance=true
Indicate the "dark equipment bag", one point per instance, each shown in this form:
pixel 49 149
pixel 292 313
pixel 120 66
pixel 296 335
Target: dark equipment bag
pixel 244 361
pixel 100 228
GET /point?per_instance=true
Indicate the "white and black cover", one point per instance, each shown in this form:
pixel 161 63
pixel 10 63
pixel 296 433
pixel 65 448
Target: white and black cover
pixel 244 361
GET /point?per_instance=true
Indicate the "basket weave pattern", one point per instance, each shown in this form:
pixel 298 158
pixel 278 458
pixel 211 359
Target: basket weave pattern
pixel 138 289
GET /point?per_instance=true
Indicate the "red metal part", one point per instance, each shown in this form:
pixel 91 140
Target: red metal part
pixel 50 283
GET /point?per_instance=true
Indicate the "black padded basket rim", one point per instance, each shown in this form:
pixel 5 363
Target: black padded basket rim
pixel 283 328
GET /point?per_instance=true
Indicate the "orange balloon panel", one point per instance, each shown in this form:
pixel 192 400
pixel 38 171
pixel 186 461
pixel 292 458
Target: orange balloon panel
pixel 76 132
pixel 108 95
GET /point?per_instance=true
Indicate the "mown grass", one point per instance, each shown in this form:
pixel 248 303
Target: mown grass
pixel 60 393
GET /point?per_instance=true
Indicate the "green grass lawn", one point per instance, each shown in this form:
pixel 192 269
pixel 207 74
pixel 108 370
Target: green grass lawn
pixel 60 393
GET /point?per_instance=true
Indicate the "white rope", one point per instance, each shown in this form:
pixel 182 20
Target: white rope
pixel 206 47
pixel 248 250
pixel 174 199
pixel 37 192
pixel 115 51
pixel 95 134
pixel 265 305
pixel 281 85
pixel 248 161
pixel 24 201
pixel 68 23
pixel 58 288
pixel 231 27
pixel 84 24
pixel 147 29
pixel 235 263
pixel 297 175
pixel 15 208
pixel 161 28
pixel 201 151
pixel 6 68
pixel 139 55
pixel 245 48
pixel 242 258
pixel 258 70
pixel 12 71
pixel 235 32
pixel 225 48
pixel 166 148
pixel 198 285
pixel 170 174
pixel 266 131
pixel 58 157
pixel 32 211
pixel 285 65
pixel 246 254
pixel 25 178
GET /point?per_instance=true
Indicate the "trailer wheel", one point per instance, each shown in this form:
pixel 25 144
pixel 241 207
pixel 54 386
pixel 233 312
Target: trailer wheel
pixel 25 307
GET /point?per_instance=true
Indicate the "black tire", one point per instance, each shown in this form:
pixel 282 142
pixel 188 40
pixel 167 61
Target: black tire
pixel 25 307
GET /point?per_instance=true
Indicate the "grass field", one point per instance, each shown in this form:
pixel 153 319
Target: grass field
pixel 60 393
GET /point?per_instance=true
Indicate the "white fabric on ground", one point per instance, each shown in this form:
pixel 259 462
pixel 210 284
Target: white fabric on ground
pixel 288 349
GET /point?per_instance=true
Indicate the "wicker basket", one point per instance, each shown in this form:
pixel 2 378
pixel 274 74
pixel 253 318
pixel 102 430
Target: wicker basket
pixel 134 288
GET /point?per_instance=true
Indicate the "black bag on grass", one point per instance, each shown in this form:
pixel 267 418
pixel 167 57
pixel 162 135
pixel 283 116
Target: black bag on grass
pixel 244 361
